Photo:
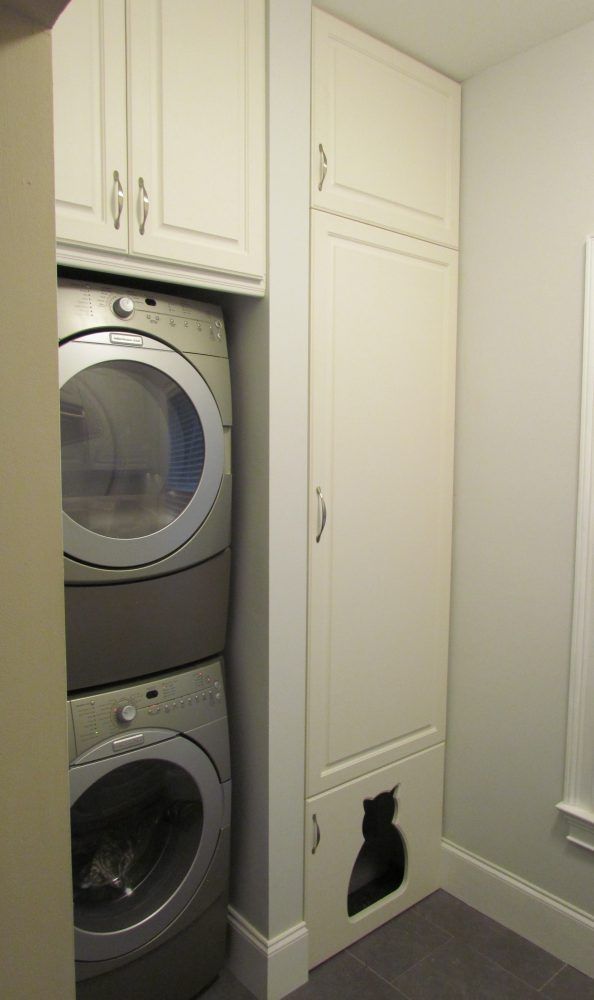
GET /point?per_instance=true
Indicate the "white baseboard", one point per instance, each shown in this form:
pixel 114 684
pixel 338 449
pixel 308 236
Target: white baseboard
pixel 268 968
pixel 544 919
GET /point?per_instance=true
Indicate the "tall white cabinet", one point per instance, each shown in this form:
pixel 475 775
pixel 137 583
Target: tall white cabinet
pixel 383 325
pixel 160 139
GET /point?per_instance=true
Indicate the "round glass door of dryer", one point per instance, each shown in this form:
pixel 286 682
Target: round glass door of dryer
pixel 144 830
pixel 142 451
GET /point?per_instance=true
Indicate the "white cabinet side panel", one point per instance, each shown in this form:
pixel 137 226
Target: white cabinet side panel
pixel 89 70
pixel 382 384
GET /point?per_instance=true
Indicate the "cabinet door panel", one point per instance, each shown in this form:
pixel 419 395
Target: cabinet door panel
pixel 89 66
pixel 334 836
pixel 197 131
pixel 390 131
pixel 382 389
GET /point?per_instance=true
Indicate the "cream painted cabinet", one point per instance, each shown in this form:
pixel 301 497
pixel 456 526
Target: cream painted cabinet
pixel 352 889
pixel 383 334
pixel 385 165
pixel 160 139
pixel 89 69
pixel 385 135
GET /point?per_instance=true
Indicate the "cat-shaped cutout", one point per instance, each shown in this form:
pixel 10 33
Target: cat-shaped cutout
pixel 381 863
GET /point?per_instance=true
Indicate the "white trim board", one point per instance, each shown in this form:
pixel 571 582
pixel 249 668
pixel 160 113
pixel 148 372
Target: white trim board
pixel 269 968
pixel 578 794
pixel 544 919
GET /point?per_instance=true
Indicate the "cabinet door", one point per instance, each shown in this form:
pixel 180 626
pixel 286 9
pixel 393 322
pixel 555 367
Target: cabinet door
pixel 390 131
pixel 89 66
pixel 196 119
pixel 381 444
pixel 382 862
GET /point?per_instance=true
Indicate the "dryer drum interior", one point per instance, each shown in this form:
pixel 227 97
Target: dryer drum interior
pixel 133 449
pixel 142 451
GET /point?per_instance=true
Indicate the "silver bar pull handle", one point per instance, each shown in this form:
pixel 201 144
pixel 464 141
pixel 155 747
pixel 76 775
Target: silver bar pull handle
pixel 316 834
pixel 323 167
pixel 145 204
pixel 120 199
pixel 322 506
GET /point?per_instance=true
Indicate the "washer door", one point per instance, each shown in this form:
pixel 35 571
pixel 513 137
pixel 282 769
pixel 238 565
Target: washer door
pixel 142 450
pixel 145 826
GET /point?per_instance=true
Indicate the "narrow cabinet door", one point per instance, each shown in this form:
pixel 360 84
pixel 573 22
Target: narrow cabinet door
pixel 383 332
pixel 385 135
pixel 89 68
pixel 197 141
pixel 372 849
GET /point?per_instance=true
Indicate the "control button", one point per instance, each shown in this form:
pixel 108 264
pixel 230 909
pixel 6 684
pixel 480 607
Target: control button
pixel 123 307
pixel 125 713
pixel 166 708
pixel 218 696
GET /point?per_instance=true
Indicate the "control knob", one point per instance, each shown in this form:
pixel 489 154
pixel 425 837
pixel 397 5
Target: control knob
pixel 125 713
pixel 123 307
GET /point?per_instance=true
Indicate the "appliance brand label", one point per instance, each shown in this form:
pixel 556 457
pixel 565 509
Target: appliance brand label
pixel 130 339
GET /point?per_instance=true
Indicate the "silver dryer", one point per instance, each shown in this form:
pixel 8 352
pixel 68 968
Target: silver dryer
pixel 145 408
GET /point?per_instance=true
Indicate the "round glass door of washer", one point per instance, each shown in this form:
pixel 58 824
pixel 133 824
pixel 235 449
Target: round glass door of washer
pixel 142 451
pixel 144 830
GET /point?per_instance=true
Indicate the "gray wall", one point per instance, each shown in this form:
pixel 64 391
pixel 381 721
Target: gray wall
pixel 527 208
pixel 36 916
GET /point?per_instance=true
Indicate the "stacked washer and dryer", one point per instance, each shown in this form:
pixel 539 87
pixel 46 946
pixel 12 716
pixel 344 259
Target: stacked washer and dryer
pixel 145 406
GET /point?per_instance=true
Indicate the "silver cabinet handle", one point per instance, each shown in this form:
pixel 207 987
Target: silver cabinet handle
pixel 145 204
pixel 120 199
pixel 322 506
pixel 316 834
pixel 323 167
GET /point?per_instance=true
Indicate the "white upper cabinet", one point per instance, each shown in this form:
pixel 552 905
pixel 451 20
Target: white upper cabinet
pixel 171 95
pixel 89 67
pixel 385 135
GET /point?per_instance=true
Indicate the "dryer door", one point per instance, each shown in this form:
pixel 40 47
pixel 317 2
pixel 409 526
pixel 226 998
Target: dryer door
pixel 142 449
pixel 145 826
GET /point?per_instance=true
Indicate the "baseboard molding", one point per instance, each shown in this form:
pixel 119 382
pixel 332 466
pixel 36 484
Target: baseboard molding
pixel 268 968
pixel 544 919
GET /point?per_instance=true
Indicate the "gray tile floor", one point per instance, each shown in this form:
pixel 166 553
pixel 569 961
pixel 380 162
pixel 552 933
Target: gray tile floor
pixel 440 949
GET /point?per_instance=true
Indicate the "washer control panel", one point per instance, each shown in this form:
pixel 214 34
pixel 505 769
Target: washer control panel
pixel 180 701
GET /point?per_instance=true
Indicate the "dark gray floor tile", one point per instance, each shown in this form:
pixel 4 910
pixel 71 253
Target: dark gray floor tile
pixel 447 912
pixel 343 976
pixel 569 984
pixel 226 987
pixel 513 952
pixel 399 944
pixel 456 972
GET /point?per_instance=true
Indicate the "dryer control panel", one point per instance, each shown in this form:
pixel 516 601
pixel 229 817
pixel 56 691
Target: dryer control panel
pixel 190 326
pixel 180 701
